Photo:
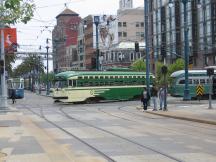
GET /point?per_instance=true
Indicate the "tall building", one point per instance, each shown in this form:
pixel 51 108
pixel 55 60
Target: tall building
pixel 125 4
pixel 65 36
pixel 107 36
pixel 81 46
pixel 130 29
pixel 131 24
pixel 168 31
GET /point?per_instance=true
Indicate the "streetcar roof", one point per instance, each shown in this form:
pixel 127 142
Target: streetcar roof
pixel 69 74
pixel 182 72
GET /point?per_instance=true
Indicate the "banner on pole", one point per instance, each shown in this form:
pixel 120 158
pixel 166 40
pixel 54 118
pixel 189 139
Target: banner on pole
pixel 10 40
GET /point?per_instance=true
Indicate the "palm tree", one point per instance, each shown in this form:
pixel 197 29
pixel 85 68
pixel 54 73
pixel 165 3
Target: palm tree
pixel 9 59
pixel 30 64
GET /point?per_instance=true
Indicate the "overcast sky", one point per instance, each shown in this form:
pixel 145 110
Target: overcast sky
pixel 35 33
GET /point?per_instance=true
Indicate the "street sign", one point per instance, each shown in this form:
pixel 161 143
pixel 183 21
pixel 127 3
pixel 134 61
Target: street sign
pixel 199 90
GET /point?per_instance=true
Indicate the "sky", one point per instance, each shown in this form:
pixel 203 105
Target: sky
pixel 34 34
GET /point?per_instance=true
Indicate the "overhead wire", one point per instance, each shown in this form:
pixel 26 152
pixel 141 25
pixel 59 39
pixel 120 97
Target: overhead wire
pixel 46 28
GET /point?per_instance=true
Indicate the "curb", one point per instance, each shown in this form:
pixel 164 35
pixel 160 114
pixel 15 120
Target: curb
pixel 182 117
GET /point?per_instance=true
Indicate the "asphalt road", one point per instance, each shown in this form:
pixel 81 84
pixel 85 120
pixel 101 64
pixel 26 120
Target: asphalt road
pixel 117 131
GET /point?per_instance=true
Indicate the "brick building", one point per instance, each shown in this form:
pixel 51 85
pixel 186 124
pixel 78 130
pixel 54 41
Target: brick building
pixel 65 36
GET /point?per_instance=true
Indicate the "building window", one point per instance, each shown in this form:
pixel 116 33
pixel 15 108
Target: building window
pixel 120 34
pixel 124 24
pixel 132 56
pixel 119 24
pixel 137 24
pixel 124 34
pixel 142 24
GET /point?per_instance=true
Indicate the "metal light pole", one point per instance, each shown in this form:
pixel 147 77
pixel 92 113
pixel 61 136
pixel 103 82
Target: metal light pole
pixel 97 21
pixel 3 96
pixel 39 80
pixel 146 12
pixel 210 91
pixel 47 68
pixel 171 36
pixel 186 52
pixel 204 30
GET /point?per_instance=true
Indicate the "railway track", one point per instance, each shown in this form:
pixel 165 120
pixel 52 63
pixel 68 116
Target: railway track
pixel 107 157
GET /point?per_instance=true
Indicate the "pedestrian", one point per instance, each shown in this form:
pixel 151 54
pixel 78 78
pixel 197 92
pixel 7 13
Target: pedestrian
pixel 13 96
pixel 154 95
pixel 145 98
pixel 162 98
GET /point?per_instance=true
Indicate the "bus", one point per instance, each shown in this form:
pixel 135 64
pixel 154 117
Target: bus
pixel 196 77
pixel 16 84
pixel 93 86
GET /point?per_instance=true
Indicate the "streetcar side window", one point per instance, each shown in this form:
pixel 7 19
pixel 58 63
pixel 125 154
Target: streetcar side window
pixel 202 81
pixel 196 81
pixel 74 83
pixel 182 82
pixel 70 84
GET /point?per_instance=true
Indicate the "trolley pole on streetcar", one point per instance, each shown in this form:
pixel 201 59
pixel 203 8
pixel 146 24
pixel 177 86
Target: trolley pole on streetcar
pixel 3 96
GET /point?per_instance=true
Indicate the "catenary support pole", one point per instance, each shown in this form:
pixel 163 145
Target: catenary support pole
pixel 186 52
pixel 146 12
pixel 3 95
pixel 47 68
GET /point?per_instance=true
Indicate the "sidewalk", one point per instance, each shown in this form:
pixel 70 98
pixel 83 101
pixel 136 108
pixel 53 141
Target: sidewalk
pixel 191 111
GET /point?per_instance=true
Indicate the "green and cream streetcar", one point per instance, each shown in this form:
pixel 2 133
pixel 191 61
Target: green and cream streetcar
pixel 88 86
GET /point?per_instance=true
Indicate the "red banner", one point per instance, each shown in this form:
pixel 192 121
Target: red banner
pixel 10 40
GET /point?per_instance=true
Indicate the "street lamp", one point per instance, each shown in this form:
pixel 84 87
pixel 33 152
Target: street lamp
pixel 3 96
pixel 38 70
pixel 47 68
pixel 97 21
pixel 186 49
pixel 171 36
pixel 146 12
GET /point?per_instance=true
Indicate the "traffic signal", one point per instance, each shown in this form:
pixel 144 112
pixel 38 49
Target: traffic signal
pixel 136 46
pixel 1 66
pixel 190 60
pixel 164 70
pixel 210 71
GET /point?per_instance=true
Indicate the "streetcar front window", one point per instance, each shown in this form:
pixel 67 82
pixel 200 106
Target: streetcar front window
pixel 61 84
pixel 16 85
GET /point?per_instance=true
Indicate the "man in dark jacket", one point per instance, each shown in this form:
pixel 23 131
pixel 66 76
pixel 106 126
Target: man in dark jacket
pixel 13 96
pixel 145 98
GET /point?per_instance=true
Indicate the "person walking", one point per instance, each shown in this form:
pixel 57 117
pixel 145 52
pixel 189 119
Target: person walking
pixel 13 96
pixel 154 95
pixel 145 98
pixel 162 98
